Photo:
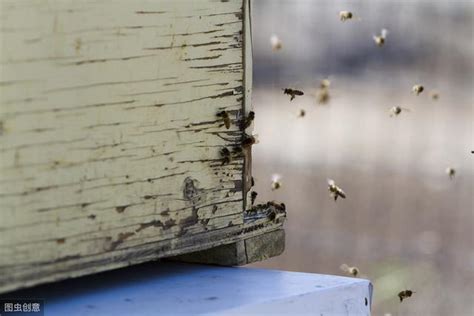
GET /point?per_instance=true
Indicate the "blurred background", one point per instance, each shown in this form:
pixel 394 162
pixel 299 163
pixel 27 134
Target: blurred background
pixel 405 224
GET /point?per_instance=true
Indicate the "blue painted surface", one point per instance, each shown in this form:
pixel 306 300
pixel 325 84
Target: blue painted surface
pixel 159 288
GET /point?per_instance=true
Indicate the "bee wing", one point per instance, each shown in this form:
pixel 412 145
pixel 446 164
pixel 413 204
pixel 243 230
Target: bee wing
pixel 276 177
pixel 406 109
pixel 344 267
pixel 255 136
pixel 384 33
pixel 331 182
pixel 341 193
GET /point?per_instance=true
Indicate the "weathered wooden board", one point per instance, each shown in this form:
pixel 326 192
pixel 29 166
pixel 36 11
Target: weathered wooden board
pixel 109 140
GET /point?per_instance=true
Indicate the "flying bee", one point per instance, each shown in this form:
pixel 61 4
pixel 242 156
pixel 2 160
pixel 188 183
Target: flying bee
pixel 225 117
pixel 405 294
pixel 248 120
pixel 276 43
pixel 380 39
pixel 396 110
pixel 354 271
pixel 325 83
pixel 417 89
pixel 292 93
pixel 434 94
pixel 322 93
pixel 335 191
pixel 451 172
pixel 301 113
pixel 276 182
pixel 253 197
pixel 345 15
pixel 322 96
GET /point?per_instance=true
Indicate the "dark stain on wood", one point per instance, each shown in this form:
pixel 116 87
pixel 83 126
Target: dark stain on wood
pixel 121 209
pixel 157 223
pixel 120 239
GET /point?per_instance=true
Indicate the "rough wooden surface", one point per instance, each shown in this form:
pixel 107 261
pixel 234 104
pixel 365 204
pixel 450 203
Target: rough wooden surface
pixel 242 252
pixel 109 140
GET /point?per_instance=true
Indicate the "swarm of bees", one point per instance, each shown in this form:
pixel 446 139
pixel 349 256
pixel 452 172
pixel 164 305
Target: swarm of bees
pixel 322 97
pixel 405 294
pixel 417 89
pixel 397 110
pixel 451 172
pixel 276 182
pixel 276 43
pixel 354 271
pixel 380 39
pixel 335 191
pixel 292 93
pixel 224 115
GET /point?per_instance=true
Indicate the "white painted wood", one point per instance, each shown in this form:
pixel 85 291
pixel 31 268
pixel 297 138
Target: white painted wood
pixel 109 140
pixel 179 289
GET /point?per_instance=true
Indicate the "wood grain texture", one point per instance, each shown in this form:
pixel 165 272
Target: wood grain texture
pixel 109 139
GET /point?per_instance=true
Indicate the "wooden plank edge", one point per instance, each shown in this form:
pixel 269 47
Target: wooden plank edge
pixel 258 221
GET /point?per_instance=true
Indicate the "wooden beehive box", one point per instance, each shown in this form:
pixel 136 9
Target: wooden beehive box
pixel 110 143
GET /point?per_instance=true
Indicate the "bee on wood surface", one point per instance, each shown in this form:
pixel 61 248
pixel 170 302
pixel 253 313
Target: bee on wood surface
pixel 405 294
pixel 335 191
pixel 292 93
pixel 434 94
pixel 345 15
pixel 225 156
pixel 380 39
pixel 249 140
pixel 225 117
pixel 248 120
pixel 253 197
pixel 301 113
pixel 397 110
pixel 278 206
pixel 417 89
pixel 276 43
pixel 451 172
pixel 228 156
pixel 354 271
pixel 276 182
